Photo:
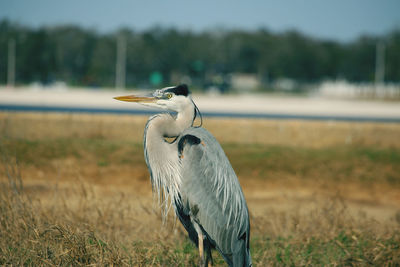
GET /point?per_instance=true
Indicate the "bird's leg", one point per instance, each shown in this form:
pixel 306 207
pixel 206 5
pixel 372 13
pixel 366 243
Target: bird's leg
pixel 201 244
pixel 201 249
pixel 209 260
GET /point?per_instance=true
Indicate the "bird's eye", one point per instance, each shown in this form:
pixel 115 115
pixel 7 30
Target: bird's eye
pixel 168 95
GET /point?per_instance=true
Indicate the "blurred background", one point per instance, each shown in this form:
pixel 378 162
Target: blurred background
pixel 304 97
pixel 279 46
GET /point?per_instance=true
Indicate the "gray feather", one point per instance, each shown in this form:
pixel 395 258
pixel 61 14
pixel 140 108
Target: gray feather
pixel 209 187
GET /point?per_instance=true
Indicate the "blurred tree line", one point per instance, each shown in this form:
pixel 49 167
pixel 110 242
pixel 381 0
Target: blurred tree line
pixel 83 57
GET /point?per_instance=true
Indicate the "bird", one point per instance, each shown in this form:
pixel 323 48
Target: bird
pixel 192 174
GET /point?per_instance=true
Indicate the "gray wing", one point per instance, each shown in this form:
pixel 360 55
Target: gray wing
pixel 211 193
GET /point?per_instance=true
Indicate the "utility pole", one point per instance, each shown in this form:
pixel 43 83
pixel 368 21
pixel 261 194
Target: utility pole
pixel 120 66
pixel 11 64
pixel 380 63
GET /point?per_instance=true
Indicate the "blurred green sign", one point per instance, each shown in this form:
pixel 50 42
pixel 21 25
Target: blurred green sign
pixel 156 78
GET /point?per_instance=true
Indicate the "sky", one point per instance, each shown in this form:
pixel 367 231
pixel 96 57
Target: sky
pixel 340 20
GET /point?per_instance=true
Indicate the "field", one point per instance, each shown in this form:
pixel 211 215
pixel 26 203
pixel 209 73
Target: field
pixel 75 191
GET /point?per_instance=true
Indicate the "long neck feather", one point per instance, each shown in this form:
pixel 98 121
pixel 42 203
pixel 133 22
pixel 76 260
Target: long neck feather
pixel 162 157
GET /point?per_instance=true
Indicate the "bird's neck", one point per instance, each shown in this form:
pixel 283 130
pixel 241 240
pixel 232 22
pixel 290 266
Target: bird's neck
pixel 165 125
pixel 184 120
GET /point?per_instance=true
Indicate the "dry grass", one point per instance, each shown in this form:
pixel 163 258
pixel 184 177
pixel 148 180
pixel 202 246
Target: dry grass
pixel 79 193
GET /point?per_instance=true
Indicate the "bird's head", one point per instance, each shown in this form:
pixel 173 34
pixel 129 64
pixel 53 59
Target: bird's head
pixel 169 98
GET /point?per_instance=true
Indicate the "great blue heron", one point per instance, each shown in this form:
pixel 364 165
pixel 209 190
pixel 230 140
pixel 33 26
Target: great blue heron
pixel 193 173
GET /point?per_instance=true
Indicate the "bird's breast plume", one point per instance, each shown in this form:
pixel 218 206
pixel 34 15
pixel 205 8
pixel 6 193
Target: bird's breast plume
pixel 163 166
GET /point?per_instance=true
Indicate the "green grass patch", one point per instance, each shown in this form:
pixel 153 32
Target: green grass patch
pixel 357 164
pixel 343 250
pixel 341 163
pixel 105 152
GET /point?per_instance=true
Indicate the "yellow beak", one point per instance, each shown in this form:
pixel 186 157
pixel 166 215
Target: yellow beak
pixel 133 98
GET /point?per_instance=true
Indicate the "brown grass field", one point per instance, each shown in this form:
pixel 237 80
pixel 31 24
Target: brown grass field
pixel 75 191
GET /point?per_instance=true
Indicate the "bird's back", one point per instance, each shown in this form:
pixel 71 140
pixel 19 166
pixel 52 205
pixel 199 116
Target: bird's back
pixel 212 196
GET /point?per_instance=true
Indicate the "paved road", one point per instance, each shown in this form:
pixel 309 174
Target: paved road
pixel 245 106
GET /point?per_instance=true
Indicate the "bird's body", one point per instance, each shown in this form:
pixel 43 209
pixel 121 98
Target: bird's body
pixel 193 173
